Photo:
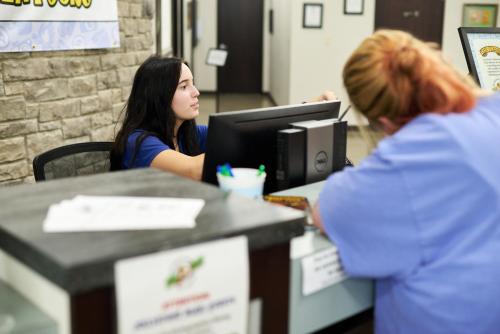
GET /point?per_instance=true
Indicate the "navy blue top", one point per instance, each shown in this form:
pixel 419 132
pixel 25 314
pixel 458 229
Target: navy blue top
pixel 421 215
pixel 152 146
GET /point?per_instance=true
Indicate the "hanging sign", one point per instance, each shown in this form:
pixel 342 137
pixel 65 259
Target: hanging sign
pixel 42 25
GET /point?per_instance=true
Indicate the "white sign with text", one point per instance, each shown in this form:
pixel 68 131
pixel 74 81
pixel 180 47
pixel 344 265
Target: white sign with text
pixel 197 289
pixel 321 270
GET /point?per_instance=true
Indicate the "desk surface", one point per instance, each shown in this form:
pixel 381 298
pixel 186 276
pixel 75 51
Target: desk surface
pixel 82 261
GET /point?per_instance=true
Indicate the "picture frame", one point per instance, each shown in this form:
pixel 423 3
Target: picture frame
pixel 480 15
pixel 354 7
pixel 312 16
pixel 482 53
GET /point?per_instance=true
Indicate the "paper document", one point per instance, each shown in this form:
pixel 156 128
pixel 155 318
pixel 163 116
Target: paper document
pixel 108 213
pixel 321 270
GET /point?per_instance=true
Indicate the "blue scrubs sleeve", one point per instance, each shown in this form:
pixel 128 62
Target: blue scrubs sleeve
pixel 366 212
pixel 149 149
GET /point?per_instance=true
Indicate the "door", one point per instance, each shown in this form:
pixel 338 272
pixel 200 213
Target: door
pixel 239 29
pixel 422 18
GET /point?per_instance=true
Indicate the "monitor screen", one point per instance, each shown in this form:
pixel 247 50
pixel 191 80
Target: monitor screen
pixel 248 138
pixel 482 53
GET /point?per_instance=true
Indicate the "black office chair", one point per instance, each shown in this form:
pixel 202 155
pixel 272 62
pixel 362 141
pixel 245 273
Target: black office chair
pixel 73 160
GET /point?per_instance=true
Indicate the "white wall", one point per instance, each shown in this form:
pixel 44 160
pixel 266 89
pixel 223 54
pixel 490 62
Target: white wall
pixel 280 53
pixel 452 47
pixel 317 56
pixel 205 76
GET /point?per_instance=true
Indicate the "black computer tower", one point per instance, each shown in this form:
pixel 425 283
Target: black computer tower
pixel 290 164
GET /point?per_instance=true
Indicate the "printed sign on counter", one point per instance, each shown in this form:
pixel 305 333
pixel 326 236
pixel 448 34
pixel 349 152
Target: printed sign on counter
pixel 321 270
pixel 198 289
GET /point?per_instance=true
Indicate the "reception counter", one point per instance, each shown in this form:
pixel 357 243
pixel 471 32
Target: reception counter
pixel 70 276
pixel 331 304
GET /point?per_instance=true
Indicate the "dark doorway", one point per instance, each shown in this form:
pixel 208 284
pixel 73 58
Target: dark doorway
pixel 422 18
pixel 239 28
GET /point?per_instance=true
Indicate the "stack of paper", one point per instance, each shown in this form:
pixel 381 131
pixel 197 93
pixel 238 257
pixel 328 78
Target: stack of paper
pixel 107 213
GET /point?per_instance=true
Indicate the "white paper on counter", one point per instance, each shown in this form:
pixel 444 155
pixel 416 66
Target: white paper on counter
pixel 109 213
pixel 321 270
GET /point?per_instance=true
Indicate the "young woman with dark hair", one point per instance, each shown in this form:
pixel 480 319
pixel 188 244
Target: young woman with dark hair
pixel 421 214
pixel 159 128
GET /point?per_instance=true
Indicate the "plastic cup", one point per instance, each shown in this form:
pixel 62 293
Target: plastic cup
pixel 245 182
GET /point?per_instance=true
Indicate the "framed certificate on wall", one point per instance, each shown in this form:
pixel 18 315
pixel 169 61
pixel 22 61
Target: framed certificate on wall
pixel 482 53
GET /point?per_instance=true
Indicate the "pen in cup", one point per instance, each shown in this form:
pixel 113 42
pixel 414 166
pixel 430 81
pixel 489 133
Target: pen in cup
pixel 225 170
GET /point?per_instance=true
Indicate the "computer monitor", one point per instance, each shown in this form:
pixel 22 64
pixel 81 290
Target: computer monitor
pixel 248 138
pixel 482 53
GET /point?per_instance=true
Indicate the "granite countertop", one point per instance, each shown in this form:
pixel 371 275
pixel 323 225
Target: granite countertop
pixel 82 261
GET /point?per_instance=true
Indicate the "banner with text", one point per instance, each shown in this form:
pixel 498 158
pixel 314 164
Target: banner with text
pixel 41 25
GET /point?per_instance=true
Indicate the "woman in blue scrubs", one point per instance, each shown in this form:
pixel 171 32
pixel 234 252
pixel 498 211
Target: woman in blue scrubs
pixel 421 214
pixel 159 128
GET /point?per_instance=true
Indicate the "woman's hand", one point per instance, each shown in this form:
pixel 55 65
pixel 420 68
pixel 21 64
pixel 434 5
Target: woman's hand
pixel 327 95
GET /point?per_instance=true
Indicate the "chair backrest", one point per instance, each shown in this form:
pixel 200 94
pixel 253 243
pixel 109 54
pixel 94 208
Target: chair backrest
pixel 73 160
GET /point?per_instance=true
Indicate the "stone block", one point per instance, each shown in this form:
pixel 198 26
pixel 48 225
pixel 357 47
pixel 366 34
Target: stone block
pixel 26 69
pixel 147 41
pixel 129 27
pixel 126 92
pixel 11 172
pixel 47 126
pixel 76 140
pixel 18 128
pixel 116 95
pixel 74 66
pixel 126 75
pixel 83 65
pixel 14 88
pixel 123 9
pixel 43 141
pixel 89 104
pixel 135 10
pixel 128 59
pixel 76 127
pixel 105 100
pixel 82 86
pixel 106 133
pixel 144 26
pixel 132 44
pixel 101 119
pixel 12 149
pixel 141 56
pixel 46 90
pixel 118 112
pixel 110 61
pixel 32 110
pixel 12 108
pixel 106 80
pixel 59 109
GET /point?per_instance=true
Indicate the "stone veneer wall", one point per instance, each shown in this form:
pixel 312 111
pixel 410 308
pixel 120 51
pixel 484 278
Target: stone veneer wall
pixel 49 99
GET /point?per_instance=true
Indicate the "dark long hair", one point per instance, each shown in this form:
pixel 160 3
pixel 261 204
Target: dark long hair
pixel 149 108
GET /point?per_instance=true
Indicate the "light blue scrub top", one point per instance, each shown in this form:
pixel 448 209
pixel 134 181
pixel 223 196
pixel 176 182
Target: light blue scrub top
pixel 152 146
pixel 421 215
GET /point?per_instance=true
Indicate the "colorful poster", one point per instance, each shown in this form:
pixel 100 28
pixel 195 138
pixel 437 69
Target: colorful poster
pixel 485 48
pixel 198 289
pixel 42 25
